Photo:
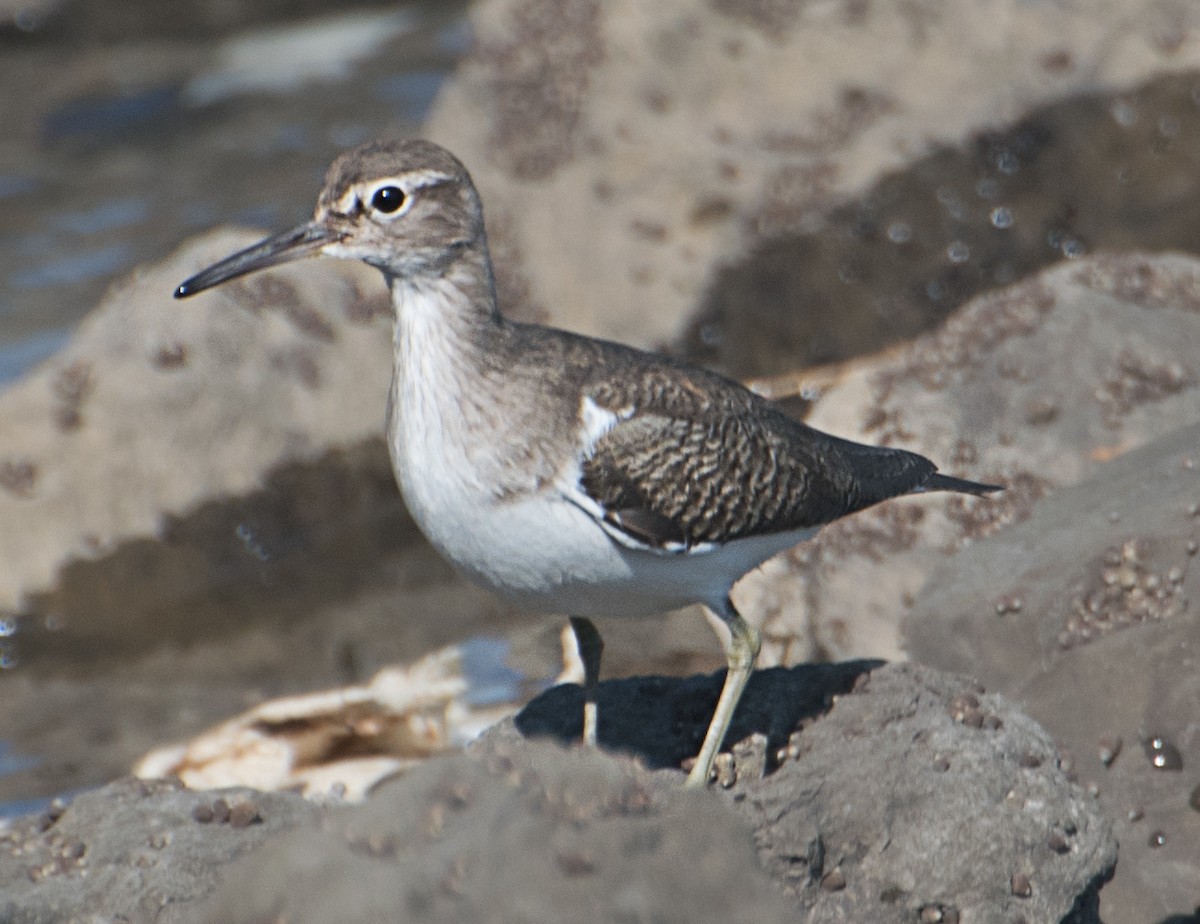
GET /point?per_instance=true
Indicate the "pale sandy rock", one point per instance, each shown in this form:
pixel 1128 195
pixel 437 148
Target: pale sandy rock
pixel 157 405
pixel 625 150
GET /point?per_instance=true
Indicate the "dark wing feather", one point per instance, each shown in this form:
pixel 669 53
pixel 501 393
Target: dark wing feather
pixel 701 466
pixel 695 457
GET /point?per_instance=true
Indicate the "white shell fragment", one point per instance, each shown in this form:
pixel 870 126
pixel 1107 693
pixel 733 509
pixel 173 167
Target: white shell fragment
pixel 342 742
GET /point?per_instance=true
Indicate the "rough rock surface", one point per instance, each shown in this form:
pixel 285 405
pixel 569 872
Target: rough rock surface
pixel 989 395
pixel 906 791
pixel 528 833
pixel 627 150
pixel 902 792
pixel 133 850
pixel 1091 619
pixel 157 406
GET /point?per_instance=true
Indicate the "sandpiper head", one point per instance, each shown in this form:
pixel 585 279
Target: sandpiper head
pixel 404 207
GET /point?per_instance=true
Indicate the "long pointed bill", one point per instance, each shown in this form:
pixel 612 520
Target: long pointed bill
pixel 282 248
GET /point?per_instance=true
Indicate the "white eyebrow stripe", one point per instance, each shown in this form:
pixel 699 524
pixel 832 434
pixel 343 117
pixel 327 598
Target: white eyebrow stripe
pixel 419 179
pixel 409 182
pixel 350 201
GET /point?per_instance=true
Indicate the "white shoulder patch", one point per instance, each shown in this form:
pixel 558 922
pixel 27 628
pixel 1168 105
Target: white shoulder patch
pixel 595 421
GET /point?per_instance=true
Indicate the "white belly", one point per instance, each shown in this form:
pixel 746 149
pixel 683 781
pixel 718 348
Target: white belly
pixel 545 553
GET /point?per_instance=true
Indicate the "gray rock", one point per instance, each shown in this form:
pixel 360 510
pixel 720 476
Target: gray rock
pixel 520 833
pixel 888 794
pixel 1034 387
pixel 926 795
pixel 133 851
pixel 1087 611
pixel 905 791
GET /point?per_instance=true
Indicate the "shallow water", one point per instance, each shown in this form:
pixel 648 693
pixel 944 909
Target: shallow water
pixel 127 144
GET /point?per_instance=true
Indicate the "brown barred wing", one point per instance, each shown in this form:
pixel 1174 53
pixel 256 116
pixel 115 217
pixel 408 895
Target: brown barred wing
pixel 679 482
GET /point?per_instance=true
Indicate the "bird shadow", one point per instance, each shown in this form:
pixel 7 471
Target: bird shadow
pixel 662 720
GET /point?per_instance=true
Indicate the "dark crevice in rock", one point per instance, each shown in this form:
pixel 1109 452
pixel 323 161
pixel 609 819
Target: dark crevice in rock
pixel 920 243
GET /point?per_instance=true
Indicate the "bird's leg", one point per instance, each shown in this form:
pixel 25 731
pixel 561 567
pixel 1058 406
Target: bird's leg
pixel 744 643
pixel 591 647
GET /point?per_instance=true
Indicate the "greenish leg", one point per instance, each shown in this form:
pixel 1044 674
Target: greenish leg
pixel 744 643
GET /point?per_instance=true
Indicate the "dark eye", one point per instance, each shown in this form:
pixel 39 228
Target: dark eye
pixel 387 199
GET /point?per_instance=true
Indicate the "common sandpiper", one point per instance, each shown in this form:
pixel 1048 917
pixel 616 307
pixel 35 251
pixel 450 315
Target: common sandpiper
pixel 570 474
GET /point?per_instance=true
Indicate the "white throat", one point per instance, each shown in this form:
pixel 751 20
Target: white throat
pixel 433 402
